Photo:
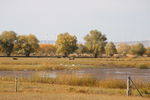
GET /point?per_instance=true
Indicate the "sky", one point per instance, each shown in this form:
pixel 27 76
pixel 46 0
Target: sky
pixel 119 20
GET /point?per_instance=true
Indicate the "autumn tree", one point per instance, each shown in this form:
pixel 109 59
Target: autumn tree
pixel 81 49
pixel 123 48
pixel 7 41
pixel 148 51
pixel 47 49
pixel 1 50
pixel 95 42
pixel 138 49
pixel 110 49
pixel 66 44
pixel 27 44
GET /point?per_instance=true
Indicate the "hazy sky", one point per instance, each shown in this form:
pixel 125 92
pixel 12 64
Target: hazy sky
pixel 120 20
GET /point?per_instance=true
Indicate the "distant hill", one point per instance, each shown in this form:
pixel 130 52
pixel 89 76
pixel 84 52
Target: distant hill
pixel 146 43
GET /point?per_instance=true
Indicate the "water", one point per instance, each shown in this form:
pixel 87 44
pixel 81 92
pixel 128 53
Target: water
pixel 99 73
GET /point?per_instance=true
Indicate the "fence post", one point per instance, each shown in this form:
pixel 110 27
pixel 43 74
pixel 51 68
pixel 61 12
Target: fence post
pixel 16 84
pixel 128 86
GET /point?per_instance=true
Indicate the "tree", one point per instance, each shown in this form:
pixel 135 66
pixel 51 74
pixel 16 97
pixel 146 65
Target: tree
pixel 47 49
pixel 110 49
pixel 1 50
pixel 81 49
pixel 123 48
pixel 138 49
pixel 27 44
pixel 66 44
pixel 95 42
pixel 148 51
pixel 7 41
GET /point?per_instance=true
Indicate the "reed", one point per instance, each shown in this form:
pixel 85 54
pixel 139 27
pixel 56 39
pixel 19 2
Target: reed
pixel 75 80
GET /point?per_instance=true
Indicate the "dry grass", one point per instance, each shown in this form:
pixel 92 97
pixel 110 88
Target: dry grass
pixel 75 80
pixel 29 89
pixel 63 96
pixel 65 63
pixel 84 80
pixel 113 84
pixel 68 87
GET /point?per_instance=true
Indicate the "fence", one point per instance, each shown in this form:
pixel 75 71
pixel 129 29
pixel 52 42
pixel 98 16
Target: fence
pixel 130 83
pixel 16 86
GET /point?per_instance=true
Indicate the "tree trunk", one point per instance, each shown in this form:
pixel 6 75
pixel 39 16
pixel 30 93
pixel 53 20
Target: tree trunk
pixel 8 54
pixel 27 54
pixel 95 55
pixel 66 54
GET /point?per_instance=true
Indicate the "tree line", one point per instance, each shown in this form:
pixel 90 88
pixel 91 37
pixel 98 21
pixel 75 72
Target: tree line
pixel 95 45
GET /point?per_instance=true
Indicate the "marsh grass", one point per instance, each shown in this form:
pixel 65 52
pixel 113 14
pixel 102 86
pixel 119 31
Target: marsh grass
pixel 84 80
pixel 75 80
pixel 64 96
pixel 70 84
pixel 65 63
pixel 113 84
pixel 78 85
pixel 143 66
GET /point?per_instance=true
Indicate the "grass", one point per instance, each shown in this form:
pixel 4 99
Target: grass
pixel 69 87
pixel 63 96
pixel 74 80
pixel 45 91
pixel 113 84
pixel 64 63
pixel 143 66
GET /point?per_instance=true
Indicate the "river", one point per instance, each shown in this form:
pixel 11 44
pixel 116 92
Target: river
pixel 99 73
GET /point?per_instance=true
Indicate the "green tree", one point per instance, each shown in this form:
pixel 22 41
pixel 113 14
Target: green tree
pixel 7 41
pixel 110 49
pixel 27 44
pixel 66 44
pixel 123 48
pixel 95 42
pixel 138 49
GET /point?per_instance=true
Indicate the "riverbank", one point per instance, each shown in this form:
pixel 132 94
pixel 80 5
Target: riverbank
pixel 36 64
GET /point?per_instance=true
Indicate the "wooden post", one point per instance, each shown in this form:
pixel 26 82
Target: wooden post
pixel 16 84
pixel 128 86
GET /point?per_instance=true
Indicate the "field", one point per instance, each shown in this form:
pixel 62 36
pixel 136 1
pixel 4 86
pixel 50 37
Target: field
pixel 69 87
pixel 63 96
pixel 44 91
pixel 65 63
